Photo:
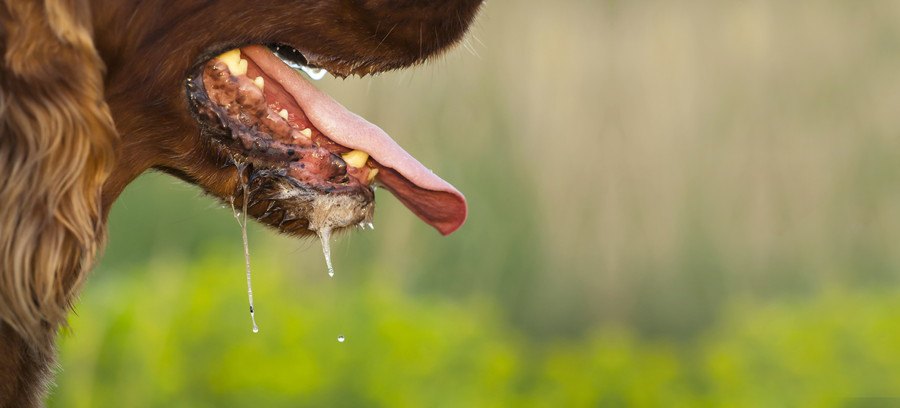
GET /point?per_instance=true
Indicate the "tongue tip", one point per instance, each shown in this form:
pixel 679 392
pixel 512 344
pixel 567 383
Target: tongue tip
pixel 434 200
pixel 461 213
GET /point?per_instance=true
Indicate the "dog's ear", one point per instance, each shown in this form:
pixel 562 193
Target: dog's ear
pixel 57 146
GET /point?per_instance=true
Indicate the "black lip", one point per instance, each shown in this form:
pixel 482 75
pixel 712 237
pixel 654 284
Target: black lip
pixel 290 54
pixel 197 98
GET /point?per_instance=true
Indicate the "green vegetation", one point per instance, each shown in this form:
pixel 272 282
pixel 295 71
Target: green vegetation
pixel 182 339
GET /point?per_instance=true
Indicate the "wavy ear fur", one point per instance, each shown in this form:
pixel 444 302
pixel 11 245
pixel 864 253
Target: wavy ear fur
pixel 57 145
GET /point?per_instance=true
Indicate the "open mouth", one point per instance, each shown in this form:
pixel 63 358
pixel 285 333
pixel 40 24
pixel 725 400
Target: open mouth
pixel 312 163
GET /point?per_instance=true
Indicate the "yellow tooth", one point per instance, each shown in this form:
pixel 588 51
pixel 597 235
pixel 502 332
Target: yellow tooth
pixel 306 132
pixel 259 82
pixel 356 158
pixel 372 174
pixel 240 69
pixel 232 59
pixel 283 113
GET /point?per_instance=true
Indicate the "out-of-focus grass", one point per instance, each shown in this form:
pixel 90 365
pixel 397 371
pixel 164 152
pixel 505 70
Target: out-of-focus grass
pixel 645 165
pixel 181 338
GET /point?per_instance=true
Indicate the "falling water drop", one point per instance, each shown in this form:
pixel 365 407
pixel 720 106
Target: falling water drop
pixel 241 217
pixel 325 237
pixel 341 338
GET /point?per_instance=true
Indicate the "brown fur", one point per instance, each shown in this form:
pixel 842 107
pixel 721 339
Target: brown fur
pixel 92 95
pixel 56 153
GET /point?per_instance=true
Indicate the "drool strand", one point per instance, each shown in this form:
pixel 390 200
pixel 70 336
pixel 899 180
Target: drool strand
pixel 241 218
pixel 325 236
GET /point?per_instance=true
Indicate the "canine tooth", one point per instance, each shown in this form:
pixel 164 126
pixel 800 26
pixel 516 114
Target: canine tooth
pixel 306 132
pixel 260 82
pixel 283 113
pixel 356 158
pixel 240 69
pixel 372 174
pixel 231 59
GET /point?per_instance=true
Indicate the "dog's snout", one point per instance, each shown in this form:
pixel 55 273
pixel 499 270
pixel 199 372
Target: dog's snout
pixel 381 35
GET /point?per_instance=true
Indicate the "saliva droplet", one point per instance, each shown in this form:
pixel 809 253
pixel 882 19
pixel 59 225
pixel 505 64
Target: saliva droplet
pixel 314 73
pixel 341 338
pixel 325 237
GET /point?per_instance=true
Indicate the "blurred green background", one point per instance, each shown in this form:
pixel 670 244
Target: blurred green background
pixel 673 203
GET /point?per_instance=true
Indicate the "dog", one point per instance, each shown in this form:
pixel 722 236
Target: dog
pixel 93 93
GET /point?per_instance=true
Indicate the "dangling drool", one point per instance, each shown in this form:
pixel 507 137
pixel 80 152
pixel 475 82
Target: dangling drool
pixel 325 236
pixel 241 218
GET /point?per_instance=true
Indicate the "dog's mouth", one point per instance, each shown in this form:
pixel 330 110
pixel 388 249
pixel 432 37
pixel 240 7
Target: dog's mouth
pixel 312 164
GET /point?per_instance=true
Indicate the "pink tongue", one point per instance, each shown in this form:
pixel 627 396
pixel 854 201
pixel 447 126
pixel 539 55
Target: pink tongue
pixel 434 200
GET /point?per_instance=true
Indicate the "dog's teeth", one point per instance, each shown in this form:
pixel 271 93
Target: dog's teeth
pixel 372 174
pixel 236 64
pixel 356 158
pixel 241 68
pixel 283 113
pixel 258 81
pixel 296 134
pixel 232 59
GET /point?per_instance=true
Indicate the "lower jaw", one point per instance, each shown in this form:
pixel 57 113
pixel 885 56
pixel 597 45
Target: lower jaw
pixel 282 202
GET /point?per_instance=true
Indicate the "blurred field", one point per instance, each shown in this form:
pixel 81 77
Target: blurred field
pixel 673 203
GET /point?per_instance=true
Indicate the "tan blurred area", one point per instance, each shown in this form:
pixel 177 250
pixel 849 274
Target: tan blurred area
pixel 682 151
